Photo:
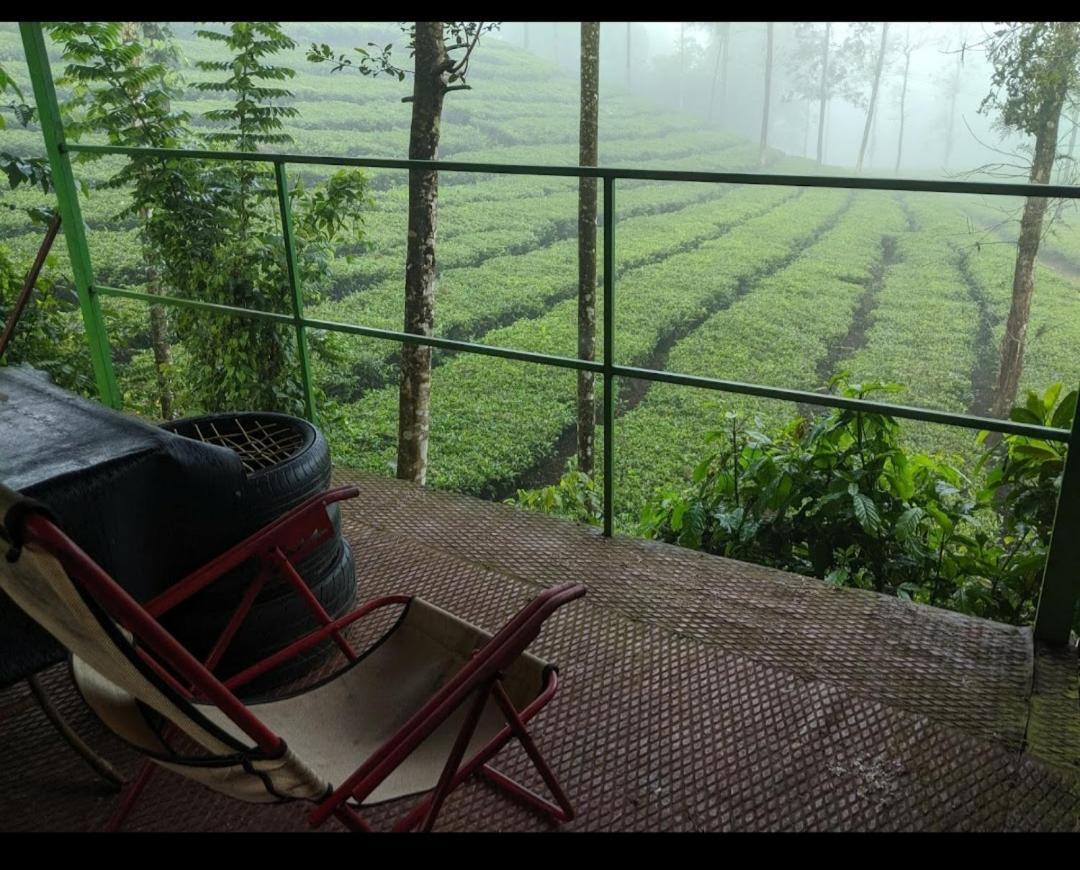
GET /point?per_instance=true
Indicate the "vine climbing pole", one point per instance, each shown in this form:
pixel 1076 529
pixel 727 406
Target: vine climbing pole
pixel 67 198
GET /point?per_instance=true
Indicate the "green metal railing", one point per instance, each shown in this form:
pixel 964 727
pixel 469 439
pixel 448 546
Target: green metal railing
pixel 1061 582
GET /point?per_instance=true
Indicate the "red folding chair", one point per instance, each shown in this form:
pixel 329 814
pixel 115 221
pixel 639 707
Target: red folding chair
pixel 421 710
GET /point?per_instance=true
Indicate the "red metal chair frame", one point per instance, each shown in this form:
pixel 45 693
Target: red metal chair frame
pixel 278 546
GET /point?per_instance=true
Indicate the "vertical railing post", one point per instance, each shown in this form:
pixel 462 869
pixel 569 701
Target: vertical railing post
pixel 294 284
pixel 67 198
pixel 1060 593
pixel 609 353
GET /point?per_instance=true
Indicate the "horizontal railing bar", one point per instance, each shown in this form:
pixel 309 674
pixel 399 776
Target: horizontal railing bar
pixel 926 415
pixel 198 304
pixel 991 188
pixel 564 362
pixel 366 331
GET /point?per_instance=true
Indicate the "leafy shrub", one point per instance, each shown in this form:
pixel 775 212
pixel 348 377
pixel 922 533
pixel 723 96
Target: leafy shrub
pixel 577 496
pixel 841 499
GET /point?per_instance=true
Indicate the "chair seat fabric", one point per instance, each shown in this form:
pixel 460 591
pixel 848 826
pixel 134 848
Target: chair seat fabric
pixel 337 725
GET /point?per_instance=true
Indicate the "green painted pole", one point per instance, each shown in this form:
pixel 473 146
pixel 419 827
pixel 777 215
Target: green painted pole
pixel 297 291
pixel 1060 593
pixel 67 198
pixel 609 354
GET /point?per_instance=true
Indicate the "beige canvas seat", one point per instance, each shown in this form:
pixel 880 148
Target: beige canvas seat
pixel 399 719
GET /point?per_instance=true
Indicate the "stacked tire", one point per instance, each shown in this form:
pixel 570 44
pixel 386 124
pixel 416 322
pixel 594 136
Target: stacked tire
pixel 279 615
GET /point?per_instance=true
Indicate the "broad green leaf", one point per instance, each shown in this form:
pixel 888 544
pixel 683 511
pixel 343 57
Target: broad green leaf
pixel 866 513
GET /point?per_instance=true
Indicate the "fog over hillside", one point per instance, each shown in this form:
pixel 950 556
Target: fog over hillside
pixel 683 66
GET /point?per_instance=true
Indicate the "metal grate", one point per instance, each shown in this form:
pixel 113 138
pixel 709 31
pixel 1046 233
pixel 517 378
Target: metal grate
pixel 697 693
pixel 259 443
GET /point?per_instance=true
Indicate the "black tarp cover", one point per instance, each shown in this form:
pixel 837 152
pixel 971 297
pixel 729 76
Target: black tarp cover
pixel 147 505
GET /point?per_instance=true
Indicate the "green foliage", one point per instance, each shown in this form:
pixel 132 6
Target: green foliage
pixel 479 435
pixel 842 499
pixel 256 117
pixel 1034 64
pixel 458 36
pixel 577 496
pixel 224 239
pixel 49 334
pixel 19 168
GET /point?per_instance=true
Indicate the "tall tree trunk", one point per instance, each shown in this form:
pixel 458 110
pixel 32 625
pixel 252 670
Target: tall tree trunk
pixel 682 55
pixel 159 329
pixel 724 69
pixel 873 96
pixel 873 142
pixel 768 93
pixel 414 397
pixel 1011 365
pixel 954 91
pixel 628 55
pixel 806 130
pixel 825 141
pixel 823 93
pixel 903 98
pixel 1066 168
pixel 587 155
pixel 721 37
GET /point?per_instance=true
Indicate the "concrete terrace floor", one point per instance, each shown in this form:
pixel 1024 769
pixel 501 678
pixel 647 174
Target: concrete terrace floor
pixel 697 693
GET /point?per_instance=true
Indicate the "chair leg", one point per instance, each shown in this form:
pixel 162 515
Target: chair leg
pixel 529 745
pixel 515 727
pixel 526 795
pixel 131 794
pixel 99 765
pixel 468 728
pixel 352 819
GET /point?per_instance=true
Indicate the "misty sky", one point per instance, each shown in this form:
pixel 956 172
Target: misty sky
pixel 794 117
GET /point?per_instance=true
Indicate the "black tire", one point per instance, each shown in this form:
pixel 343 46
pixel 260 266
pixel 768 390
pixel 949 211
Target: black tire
pixel 226 591
pixel 269 492
pixel 272 624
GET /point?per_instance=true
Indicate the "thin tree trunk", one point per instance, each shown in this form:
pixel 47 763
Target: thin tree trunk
pixel 903 98
pixel 823 94
pixel 587 156
pixel 682 53
pixel 1011 365
pixel 768 93
pixel 414 398
pixel 954 92
pixel 1067 167
pixel 159 331
pixel 721 36
pixel 873 96
pixel 824 151
pixel 724 69
pixel 806 130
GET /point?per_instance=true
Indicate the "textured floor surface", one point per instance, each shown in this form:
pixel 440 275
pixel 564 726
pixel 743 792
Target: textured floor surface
pixel 697 693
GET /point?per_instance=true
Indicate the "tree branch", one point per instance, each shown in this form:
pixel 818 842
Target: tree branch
pixel 462 65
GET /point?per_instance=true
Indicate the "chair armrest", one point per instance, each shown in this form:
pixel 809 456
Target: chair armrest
pixel 311 638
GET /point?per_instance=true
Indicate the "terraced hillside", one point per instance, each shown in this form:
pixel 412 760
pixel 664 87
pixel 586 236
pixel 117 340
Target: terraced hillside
pixel 774 285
